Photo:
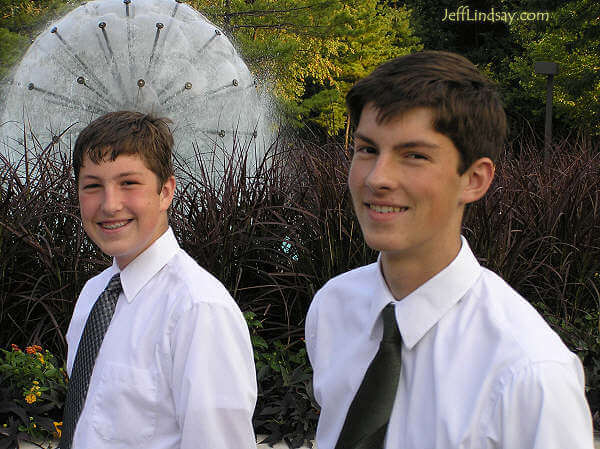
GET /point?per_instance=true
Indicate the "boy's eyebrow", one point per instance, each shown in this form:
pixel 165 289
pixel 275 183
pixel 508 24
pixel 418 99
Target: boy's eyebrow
pixel 128 173
pixel 120 175
pixel 401 145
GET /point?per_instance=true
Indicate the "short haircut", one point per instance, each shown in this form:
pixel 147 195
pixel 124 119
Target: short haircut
pixel 465 104
pixel 131 133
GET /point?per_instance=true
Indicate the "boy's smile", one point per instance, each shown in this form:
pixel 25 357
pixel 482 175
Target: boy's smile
pixel 121 208
pixel 405 186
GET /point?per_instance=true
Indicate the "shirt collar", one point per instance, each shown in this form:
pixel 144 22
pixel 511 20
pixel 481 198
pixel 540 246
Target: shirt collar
pixel 418 312
pixel 141 269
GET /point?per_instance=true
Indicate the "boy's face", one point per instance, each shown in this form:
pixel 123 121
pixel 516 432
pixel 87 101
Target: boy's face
pixel 405 186
pixel 121 208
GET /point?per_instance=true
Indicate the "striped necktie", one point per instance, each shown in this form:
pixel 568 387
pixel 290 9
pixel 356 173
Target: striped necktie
pixel 89 345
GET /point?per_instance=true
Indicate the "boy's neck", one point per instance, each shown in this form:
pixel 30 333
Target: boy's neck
pixel 123 262
pixel 404 273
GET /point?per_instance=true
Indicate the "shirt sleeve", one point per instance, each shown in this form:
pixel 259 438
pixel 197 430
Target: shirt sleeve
pixel 543 406
pixel 213 378
pixel 310 335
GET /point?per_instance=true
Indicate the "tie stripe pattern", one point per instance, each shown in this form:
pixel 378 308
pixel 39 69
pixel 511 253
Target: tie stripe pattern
pixel 369 413
pixel 89 345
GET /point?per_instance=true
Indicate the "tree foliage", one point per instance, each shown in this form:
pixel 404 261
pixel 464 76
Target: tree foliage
pixel 20 21
pixel 507 53
pixel 314 50
pixel 572 39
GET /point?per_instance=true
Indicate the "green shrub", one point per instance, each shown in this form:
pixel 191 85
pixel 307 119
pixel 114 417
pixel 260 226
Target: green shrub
pixel 13 47
pixel 286 408
pixel 32 388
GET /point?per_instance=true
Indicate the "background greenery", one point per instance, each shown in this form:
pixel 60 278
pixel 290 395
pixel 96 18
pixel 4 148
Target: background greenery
pixel 275 238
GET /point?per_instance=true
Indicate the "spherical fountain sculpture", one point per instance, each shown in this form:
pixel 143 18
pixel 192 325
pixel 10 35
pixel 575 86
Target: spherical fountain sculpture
pixel 153 56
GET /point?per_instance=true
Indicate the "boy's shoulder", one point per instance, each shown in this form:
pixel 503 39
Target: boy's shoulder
pixel 349 280
pixel 346 290
pixel 514 319
pixel 183 277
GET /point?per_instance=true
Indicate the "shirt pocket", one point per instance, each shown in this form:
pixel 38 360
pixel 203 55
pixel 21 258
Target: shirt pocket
pixel 124 409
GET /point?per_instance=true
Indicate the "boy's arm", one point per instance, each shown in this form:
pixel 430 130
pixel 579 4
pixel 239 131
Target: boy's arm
pixel 310 336
pixel 543 406
pixel 213 378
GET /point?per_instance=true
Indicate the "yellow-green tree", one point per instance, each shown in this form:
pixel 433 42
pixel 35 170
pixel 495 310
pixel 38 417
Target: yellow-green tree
pixel 314 50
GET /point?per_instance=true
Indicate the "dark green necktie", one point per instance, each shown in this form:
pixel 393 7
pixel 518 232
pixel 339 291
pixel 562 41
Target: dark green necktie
pixel 368 416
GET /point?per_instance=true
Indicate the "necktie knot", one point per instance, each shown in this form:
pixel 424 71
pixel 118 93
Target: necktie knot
pixel 114 285
pixel 391 334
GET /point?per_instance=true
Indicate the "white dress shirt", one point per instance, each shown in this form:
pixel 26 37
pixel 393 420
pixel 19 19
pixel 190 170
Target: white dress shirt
pixel 481 369
pixel 176 368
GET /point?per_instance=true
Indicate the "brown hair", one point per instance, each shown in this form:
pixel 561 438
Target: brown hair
pixel 126 132
pixel 465 104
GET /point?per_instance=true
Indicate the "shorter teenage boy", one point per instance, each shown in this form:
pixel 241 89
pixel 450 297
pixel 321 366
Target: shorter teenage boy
pixel 165 360
pixel 426 349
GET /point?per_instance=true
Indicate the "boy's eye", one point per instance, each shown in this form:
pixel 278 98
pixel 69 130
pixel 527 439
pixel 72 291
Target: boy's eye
pixel 130 182
pixel 90 186
pixel 365 149
pixel 417 156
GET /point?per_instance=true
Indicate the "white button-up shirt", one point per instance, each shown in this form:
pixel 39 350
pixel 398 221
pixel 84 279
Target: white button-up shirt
pixel 481 369
pixel 175 369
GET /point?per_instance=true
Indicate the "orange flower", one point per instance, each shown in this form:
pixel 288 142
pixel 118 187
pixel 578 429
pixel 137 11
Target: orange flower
pixel 15 347
pixel 41 358
pixel 33 349
pixel 58 426
pixel 30 398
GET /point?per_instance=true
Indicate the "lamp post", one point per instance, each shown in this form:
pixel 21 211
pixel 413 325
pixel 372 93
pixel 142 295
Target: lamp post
pixel 550 69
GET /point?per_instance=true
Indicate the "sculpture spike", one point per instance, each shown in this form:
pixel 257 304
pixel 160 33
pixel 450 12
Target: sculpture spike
pixel 81 80
pixel 141 83
pixel 219 90
pixel 112 61
pixel 71 52
pixel 202 49
pixel 61 100
pixel 102 26
pixel 159 26
pixel 187 86
pixel 177 2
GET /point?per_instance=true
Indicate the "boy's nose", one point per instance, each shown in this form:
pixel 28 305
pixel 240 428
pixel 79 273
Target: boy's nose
pixel 112 201
pixel 383 174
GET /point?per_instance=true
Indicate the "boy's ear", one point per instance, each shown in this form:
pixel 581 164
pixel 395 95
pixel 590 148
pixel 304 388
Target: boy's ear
pixel 477 179
pixel 166 193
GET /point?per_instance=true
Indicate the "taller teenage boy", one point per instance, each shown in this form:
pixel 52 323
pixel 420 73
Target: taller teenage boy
pixel 473 365
pixel 165 360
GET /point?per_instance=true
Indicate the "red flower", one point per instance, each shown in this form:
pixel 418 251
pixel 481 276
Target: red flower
pixel 33 349
pixel 15 347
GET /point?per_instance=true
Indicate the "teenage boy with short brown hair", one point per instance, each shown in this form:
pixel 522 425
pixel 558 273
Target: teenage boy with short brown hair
pixel 464 362
pixel 159 353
